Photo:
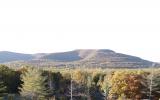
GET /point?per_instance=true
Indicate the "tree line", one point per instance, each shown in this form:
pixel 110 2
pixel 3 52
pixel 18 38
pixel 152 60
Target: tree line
pixel 30 83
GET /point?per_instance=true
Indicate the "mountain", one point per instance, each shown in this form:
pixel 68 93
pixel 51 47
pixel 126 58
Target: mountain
pixel 6 56
pixel 104 58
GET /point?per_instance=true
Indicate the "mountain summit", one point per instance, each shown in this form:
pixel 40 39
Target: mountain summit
pixel 104 58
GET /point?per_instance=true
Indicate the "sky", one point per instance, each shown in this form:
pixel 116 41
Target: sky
pixel 125 26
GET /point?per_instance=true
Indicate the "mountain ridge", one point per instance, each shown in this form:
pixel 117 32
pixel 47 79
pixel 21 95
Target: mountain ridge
pixel 104 58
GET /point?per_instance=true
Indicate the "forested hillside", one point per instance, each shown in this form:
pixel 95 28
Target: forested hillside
pixel 30 83
pixel 103 58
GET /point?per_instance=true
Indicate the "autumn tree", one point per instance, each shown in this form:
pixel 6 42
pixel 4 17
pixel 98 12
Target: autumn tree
pixel 105 87
pixel 79 82
pixel 127 84
pixel 80 76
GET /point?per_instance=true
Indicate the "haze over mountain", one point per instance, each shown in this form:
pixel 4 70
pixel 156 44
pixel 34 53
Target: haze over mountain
pixel 104 58
pixel 6 56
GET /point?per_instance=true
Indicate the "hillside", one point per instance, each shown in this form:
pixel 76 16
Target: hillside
pixel 6 56
pixel 82 57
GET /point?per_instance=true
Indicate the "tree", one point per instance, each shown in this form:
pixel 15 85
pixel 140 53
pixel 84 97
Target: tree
pixel 127 84
pixel 2 88
pixel 152 85
pixel 79 82
pixel 34 85
pixel 156 86
pixel 154 92
pixel 105 87
pixel 11 79
pixel 80 77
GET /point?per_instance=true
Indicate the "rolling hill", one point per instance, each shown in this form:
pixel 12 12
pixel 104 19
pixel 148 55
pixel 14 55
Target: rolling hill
pixel 104 58
pixel 6 56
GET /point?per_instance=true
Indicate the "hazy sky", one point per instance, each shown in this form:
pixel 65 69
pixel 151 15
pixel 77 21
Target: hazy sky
pixel 125 26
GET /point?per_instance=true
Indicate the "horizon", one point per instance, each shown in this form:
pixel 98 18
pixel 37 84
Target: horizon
pixel 54 26
pixel 77 49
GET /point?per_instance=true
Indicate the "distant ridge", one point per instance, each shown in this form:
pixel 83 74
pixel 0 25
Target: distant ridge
pixel 6 56
pixel 104 58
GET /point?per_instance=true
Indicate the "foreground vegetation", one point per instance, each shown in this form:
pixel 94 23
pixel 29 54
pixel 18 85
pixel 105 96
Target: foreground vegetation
pixel 29 83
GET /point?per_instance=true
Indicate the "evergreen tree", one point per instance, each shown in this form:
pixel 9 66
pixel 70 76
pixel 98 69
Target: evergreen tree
pixel 11 79
pixel 156 87
pixel 2 88
pixel 34 85
pixel 153 85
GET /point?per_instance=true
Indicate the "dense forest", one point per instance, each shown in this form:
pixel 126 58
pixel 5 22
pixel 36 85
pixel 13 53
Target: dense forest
pixel 32 83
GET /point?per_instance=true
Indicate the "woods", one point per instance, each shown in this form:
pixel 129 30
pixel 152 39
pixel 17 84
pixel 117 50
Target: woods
pixel 30 83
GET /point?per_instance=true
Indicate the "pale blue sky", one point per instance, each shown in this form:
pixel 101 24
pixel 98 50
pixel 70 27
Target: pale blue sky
pixel 33 26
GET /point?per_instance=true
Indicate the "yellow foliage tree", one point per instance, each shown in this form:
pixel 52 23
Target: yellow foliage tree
pixel 126 84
